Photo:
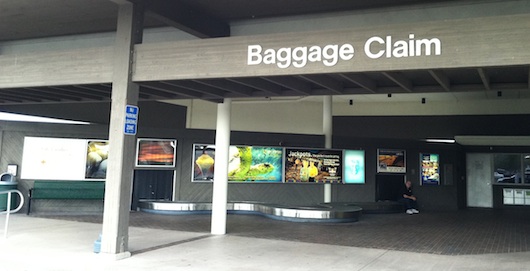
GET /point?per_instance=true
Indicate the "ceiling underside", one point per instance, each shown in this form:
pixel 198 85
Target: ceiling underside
pixel 27 19
pixel 498 82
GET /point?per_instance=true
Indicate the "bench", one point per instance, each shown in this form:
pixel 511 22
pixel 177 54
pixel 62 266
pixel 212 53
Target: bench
pixel 66 190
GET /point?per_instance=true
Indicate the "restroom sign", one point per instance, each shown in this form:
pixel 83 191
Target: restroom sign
pixel 131 119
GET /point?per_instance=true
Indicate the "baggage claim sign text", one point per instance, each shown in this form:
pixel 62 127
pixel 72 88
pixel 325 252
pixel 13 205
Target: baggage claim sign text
pixel 329 55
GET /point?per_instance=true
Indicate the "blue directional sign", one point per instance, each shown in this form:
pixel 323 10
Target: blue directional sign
pixel 131 119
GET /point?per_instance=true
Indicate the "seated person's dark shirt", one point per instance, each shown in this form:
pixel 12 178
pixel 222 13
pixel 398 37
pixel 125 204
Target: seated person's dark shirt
pixel 404 191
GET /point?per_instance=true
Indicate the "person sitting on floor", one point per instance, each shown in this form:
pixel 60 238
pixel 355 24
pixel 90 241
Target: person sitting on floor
pixel 408 199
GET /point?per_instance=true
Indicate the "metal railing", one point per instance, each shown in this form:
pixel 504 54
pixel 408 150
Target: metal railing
pixel 8 210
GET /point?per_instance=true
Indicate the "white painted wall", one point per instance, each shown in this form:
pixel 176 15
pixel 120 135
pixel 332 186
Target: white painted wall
pixel 304 115
pixel 388 107
pixel 284 117
pixel 300 117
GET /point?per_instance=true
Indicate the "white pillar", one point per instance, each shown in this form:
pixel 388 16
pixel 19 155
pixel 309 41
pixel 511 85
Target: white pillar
pixel 189 114
pixel 220 184
pixel 327 127
pixel 118 185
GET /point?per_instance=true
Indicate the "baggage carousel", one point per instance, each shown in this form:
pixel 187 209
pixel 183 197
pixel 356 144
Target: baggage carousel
pixel 324 212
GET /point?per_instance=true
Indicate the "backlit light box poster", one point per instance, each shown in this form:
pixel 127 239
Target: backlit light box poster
pixel 156 153
pixel 246 163
pixel 255 164
pixel 391 161
pixel 354 167
pixel 46 158
pixel 97 154
pixel 309 165
pixel 203 162
pixel 430 169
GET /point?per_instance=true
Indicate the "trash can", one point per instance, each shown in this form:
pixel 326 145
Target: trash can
pixel 8 182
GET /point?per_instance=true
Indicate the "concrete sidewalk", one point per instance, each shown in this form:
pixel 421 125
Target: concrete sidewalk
pixel 49 244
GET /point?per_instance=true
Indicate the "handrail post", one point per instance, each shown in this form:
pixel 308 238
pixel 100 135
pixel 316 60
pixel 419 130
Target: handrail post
pixel 8 210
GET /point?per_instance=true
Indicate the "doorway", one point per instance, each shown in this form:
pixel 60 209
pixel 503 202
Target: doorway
pixel 479 178
pixel 152 185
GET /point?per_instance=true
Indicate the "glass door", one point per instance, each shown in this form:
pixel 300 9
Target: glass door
pixel 479 179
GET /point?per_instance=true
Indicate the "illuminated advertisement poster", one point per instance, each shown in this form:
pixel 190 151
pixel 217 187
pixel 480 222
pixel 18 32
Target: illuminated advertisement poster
pixel 203 162
pixel 391 161
pixel 53 158
pixel 246 163
pixel 96 159
pixel 353 166
pixel 156 153
pixel 307 166
pixel 430 169
pixel 255 164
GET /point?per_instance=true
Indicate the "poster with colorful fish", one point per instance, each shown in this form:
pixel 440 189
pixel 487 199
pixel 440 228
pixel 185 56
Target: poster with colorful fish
pixel 246 163
pixel 255 164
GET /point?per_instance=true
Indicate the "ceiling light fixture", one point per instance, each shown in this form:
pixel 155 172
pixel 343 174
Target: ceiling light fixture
pixel 440 140
pixel 27 118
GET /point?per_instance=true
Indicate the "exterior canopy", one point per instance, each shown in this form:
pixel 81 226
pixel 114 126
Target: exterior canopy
pixel 405 58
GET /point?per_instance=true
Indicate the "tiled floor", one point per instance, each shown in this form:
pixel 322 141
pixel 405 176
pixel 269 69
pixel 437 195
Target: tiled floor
pixel 474 231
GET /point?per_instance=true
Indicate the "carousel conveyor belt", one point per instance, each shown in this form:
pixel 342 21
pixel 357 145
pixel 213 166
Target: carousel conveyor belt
pixel 324 212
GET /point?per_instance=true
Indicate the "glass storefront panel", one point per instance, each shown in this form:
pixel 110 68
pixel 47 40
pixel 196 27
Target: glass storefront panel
pixel 526 166
pixel 507 168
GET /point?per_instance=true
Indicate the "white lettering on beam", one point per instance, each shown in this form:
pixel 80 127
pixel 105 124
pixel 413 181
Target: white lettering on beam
pixel 376 47
pixel 329 55
pixel 299 56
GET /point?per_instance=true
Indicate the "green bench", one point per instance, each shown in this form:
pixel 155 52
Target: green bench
pixel 65 190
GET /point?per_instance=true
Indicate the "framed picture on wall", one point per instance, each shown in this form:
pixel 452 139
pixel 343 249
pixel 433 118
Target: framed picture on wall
pixel 46 158
pixel 391 161
pixel 96 159
pixel 353 167
pixel 313 165
pixel 203 162
pixel 156 153
pixel 430 168
pixel 255 164
pixel 246 164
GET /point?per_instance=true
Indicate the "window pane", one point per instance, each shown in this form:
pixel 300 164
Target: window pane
pixel 526 165
pixel 507 168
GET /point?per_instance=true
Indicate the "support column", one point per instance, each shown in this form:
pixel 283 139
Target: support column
pixel 327 127
pixel 220 184
pixel 118 185
pixel 189 115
